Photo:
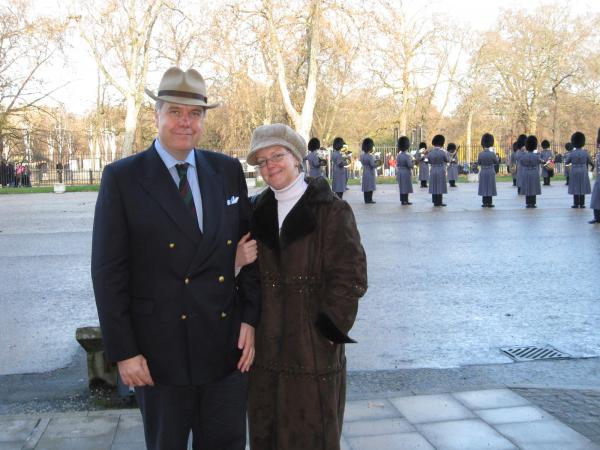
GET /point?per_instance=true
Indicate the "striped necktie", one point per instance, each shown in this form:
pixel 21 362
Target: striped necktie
pixel 184 188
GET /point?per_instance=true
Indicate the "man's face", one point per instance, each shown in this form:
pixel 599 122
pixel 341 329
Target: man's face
pixel 179 126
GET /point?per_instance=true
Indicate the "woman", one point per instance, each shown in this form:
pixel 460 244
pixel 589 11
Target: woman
pixel 579 181
pixel 313 271
pixel 529 166
pixel 404 167
pixel 487 174
pixel 368 176
pixel 452 164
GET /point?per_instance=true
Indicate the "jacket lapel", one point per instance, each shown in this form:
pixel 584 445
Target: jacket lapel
pixel 157 181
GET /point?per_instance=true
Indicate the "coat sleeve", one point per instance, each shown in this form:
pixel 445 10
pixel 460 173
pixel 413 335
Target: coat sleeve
pixel 345 274
pixel 110 271
pixel 248 280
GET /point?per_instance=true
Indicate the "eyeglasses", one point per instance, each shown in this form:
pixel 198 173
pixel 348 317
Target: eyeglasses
pixel 277 157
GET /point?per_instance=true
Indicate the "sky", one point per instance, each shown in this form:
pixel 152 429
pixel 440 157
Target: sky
pixel 79 94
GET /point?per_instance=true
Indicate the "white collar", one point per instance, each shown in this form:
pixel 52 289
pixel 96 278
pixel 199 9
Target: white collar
pixel 294 191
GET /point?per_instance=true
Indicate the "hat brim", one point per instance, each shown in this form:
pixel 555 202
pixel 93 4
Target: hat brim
pixel 180 100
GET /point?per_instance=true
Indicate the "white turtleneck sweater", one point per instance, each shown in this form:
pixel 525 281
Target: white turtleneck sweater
pixel 288 197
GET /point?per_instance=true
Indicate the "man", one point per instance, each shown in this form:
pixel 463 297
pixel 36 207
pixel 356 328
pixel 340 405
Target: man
pixel 487 174
pixel 423 164
pixel 174 317
pixel 546 155
pixel 438 158
pixel 313 162
pixel 338 168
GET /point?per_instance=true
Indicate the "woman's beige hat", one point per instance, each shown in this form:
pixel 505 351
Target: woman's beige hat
pixel 276 134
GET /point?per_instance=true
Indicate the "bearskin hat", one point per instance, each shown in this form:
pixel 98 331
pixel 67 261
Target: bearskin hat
pixel 338 143
pixel 487 140
pixel 438 140
pixel 422 145
pixel 403 144
pixel 521 141
pixel 545 144
pixel 578 139
pixel 451 147
pixel 367 145
pixel 568 146
pixel 531 143
pixel 515 147
pixel 598 138
pixel 314 144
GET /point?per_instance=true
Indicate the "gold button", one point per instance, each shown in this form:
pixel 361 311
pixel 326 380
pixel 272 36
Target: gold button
pixel 221 279
pixel 229 242
pixel 183 317
pixel 223 315
pixel 172 245
pixel 186 281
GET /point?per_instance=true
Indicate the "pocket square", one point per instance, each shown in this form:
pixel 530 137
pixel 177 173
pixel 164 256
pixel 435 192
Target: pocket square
pixel 233 200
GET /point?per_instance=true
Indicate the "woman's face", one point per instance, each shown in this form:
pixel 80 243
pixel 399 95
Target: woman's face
pixel 279 167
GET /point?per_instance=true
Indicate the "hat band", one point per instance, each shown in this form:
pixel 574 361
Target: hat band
pixel 183 94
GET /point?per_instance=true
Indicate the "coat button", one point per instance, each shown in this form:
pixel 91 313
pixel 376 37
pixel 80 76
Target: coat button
pixel 223 315
pixel 183 317
pixel 221 279
pixel 229 242
pixel 172 245
pixel 186 281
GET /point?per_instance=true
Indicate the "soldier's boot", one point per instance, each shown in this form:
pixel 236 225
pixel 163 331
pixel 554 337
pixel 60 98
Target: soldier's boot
pixel 575 201
pixel 582 201
pixel 596 216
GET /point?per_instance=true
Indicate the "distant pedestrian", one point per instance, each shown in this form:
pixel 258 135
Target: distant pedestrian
pixel 547 162
pixel 487 174
pixel 438 158
pixel 369 167
pixel 404 167
pixel 338 170
pixel 423 161
pixel 579 180
pixel 529 164
pixel 452 164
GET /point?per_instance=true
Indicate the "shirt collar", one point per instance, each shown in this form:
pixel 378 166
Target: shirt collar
pixel 169 159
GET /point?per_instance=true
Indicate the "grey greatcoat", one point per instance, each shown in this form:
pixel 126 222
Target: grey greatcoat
pixel 368 172
pixel 404 166
pixel 529 165
pixel 438 158
pixel 314 164
pixel 338 172
pixel 452 166
pixel 595 202
pixel 579 180
pixel 545 155
pixel 521 172
pixel 313 272
pixel 512 162
pixel 487 174
pixel 423 166
pixel 567 166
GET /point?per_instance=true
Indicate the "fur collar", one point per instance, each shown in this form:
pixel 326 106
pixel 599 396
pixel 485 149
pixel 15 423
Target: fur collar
pixel 300 221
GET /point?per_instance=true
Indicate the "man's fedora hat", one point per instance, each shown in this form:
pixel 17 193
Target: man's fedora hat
pixel 185 88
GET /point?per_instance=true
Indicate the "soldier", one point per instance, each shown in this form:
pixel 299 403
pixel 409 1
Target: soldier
pixel 568 150
pixel 338 170
pixel 423 164
pixel 512 163
pixel 579 181
pixel 529 165
pixel 487 175
pixel 546 155
pixel 595 202
pixel 437 178
pixel 404 166
pixel 520 152
pixel 368 175
pixel 452 164
pixel 312 159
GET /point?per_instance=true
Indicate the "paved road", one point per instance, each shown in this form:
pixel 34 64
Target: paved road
pixel 448 286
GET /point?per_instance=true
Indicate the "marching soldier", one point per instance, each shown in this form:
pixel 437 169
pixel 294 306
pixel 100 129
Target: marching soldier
pixel 404 166
pixel 579 181
pixel 529 165
pixel 546 155
pixel 568 150
pixel 595 202
pixel 312 159
pixel 520 152
pixel 368 165
pixel 438 158
pixel 338 169
pixel 452 164
pixel 512 163
pixel 423 164
pixel 487 175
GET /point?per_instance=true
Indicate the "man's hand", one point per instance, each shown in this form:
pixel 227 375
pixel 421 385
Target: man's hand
pixel 246 344
pixel 246 251
pixel 134 371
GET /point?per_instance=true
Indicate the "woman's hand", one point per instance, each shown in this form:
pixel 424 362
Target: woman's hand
pixel 246 251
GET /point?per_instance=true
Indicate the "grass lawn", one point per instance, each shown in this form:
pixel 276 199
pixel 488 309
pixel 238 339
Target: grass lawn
pixel 48 189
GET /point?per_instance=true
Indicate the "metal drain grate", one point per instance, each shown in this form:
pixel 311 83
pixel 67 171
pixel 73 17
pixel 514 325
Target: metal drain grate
pixel 534 353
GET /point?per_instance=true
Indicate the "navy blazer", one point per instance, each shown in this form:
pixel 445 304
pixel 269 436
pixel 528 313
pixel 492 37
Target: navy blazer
pixel 164 289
